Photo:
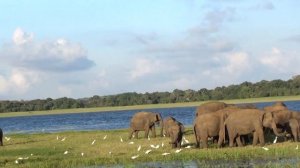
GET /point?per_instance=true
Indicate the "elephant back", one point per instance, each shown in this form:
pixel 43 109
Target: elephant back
pixel 210 107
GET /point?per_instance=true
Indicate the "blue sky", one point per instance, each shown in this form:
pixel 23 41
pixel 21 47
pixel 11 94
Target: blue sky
pixel 85 48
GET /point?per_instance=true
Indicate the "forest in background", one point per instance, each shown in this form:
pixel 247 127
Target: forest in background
pixel 244 90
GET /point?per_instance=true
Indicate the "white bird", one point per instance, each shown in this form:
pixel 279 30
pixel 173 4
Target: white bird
pixel 178 150
pixel 17 162
pixel 20 158
pixel 109 152
pixel 105 137
pixel 275 140
pixel 93 141
pixel 164 135
pixel 121 139
pixel 7 138
pixel 164 154
pixel 63 139
pixel 139 148
pixel 131 143
pixel 82 153
pixel 155 147
pixel 296 147
pixel 148 138
pixel 186 141
pixel 182 143
pixel 134 157
pixel 162 144
pixel 26 158
pixel 57 137
pixel 265 148
pixel 66 152
pixel 148 151
pixel 31 154
pixel 188 147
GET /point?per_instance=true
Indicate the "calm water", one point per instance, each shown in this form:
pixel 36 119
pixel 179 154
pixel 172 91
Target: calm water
pixel 98 121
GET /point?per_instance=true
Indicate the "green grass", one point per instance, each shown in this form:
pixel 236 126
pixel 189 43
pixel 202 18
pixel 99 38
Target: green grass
pixel 144 107
pixel 48 151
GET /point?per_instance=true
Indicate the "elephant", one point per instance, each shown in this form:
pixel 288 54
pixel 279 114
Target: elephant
pixel 1 137
pixel 210 107
pixel 289 121
pixel 175 131
pixel 145 121
pixel 294 128
pixel 169 121
pixel 209 125
pixel 276 107
pixel 246 121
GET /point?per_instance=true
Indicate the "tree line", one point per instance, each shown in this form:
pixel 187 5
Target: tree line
pixel 241 91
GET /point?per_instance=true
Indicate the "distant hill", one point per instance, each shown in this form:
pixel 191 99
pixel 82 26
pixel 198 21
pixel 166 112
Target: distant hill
pixel 244 90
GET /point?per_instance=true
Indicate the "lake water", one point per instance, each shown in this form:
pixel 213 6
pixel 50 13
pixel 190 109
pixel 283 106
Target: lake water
pixel 99 120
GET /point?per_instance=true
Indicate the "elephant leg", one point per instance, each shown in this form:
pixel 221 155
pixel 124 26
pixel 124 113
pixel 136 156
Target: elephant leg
pixel 136 134
pixel 130 133
pixel 238 141
pixel 261 137
pixel 255 138
pixel 146 132
pixel 153 131
pixel 231 138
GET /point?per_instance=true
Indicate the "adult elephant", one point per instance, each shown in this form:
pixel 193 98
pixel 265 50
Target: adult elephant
pixel 170 121
pixel 1 137
pixel 246 121
pixel 210 107
pixel 209 125
pixel 145 121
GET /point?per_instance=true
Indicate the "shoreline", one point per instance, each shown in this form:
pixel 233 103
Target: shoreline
pixel 145 107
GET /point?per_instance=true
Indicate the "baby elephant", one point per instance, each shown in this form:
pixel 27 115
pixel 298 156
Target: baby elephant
pixel 175 131
pixel 1 137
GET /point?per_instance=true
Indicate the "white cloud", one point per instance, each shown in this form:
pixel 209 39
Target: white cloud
pixel 58 56
pixel 238 62
pixel 145 67
pixel 275 59
pixel 20 37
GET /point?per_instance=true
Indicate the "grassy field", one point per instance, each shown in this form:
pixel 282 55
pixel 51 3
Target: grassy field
pixel 45 150
pixel 150 106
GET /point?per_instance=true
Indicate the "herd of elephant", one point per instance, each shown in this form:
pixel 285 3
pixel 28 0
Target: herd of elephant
pixel 224 123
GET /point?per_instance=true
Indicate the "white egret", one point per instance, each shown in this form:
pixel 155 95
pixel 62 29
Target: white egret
pixel 131 143
pixel 164 154
pixel 57 137
pixel 188 147
pixel 82 153
pixel 162 144
pixel 265 148
pixel 7 138
pixel 63 139
pixel 139 148
pixel 93 141
pixel 104 137
pixel 155 147
pixel 134 157
pixel 296 147
pixel 275 140
pixel 31 154
pixel 66 152
pixel 121 139
pixel 148 151
pixel 186 141
pixel 178 150
pixel 17 162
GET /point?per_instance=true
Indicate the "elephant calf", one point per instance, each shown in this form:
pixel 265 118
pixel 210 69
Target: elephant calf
pixel 1 137
pixel 175 131
pixel 169 121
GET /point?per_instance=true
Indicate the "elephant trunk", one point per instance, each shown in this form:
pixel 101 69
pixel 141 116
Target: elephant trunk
pixel 161 126
pixel 276 131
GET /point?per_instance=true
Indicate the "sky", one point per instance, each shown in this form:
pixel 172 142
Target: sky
pixel 65 48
